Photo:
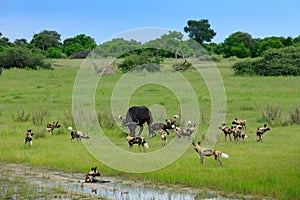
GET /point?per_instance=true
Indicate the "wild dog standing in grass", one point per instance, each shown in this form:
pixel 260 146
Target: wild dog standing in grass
pixel 141 142
pixel 181 132
pixel 238 133
pixel 51 127
pixel 163 137
pixel 226 130
pixel 241 122
pixel 170 124
pixel 77 134
pixel 90 177
pixel 208 152
pixel 28 137
pixel 261 131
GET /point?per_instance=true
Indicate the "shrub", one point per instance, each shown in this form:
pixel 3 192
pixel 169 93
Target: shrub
pixel 54 53
pixel 271 115
pixel 275 62
pixel 21 57
pixel 81 54
pixel 134 59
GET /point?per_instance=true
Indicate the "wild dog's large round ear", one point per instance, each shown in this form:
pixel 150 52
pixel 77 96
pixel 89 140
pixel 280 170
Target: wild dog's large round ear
pixel 199 142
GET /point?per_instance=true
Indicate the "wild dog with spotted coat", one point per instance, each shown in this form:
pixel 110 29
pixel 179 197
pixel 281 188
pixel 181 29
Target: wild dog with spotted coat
pixel 241 122
pixel 140 141
pixel 51 127
pixel 28 137
pixel 209 152
pixel 90 177
pixel 261 131
pixel 77 134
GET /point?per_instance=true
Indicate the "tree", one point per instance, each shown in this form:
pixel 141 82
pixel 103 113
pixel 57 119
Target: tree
pixel 85 41
pixel 297 40
pixel 171 43
pixel 46 39
pixel 237 44
pixel 20 42
pixel 117 47
pixel 270 42
pixel 200 31
pixel 4 41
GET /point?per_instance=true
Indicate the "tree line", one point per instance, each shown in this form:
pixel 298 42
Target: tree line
pixel 48 44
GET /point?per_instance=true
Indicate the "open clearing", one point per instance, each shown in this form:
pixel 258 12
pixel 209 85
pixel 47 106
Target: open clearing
pixel 270 169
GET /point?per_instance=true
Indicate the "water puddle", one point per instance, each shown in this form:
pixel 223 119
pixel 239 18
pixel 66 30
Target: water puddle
pixel 17 180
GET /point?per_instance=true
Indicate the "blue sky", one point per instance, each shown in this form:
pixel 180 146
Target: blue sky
pixel 104 19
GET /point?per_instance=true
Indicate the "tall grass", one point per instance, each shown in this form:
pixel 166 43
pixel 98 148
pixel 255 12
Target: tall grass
pixel 268 169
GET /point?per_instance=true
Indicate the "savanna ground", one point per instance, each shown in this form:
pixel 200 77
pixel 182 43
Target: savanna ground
pixel 31 99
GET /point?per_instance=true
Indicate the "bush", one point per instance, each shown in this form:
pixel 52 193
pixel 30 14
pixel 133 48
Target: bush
pixel 275 62
pixel 135 59
pixel 81 54
pixel 54 53
pixel 21 57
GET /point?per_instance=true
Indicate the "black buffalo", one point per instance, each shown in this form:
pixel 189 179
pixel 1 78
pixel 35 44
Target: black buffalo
pixel 138 116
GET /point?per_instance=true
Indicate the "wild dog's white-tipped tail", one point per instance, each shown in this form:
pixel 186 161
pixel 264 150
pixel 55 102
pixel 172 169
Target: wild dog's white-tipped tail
pixel 48 129
pixel 189 123
pixel 146 145
pixel 246 136
pixel 70 128
pixel 176 116
pixel 224 155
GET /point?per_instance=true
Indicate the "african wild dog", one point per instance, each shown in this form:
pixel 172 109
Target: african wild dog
pixel 226 130
pixel 77 134
pixel 181 132
pixel 28 137
pixel 239 122
pixel 208 152
pixel 141 142
pixel 261 131
pixel 170 124
pixel 238 133
pixel 51 127
pixel 163 137
pixel 90 177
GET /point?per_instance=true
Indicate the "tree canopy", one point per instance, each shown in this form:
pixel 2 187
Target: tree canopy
pixel 46 39
pixel 200 30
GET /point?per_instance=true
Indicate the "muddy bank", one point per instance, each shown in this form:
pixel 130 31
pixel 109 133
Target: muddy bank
pixel 19 181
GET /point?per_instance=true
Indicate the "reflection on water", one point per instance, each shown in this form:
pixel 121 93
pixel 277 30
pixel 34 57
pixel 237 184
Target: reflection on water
pixel 23 182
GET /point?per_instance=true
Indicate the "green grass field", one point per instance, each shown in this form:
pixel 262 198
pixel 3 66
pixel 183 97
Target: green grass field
pixel 31 99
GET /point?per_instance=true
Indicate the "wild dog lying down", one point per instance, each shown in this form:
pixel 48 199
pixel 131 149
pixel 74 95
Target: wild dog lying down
pixel 141 142
pixel 28 137
pixel 51 127
pixel 90 177
pixel 77 134
pixel 208 152
pixel 261 131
